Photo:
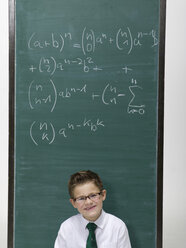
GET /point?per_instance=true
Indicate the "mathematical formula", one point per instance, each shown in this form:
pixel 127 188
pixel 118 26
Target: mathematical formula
pixel 39 95
pixel 49 93
pixel 45 132
pixel 123 40
pixel 51 65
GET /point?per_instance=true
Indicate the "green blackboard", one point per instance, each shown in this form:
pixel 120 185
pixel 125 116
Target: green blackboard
pixel 86 92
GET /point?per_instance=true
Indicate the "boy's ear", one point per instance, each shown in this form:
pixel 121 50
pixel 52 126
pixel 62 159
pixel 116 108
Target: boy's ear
pixel 104 193
pixel 72 202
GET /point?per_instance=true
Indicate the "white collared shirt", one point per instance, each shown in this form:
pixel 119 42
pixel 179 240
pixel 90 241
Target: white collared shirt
pixel 111 232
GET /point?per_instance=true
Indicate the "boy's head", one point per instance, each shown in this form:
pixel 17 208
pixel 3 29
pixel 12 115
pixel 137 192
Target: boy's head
pixel 87 194
pixel 83 177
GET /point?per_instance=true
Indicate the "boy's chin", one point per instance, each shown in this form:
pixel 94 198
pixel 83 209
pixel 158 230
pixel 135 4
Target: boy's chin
pixel 91 215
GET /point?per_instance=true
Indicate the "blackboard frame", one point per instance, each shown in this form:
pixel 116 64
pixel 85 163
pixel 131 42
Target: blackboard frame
pixel 12 51
pixel 161 124
pixel 11 122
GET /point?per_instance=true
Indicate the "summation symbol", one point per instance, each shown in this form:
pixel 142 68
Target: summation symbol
pixel 134 105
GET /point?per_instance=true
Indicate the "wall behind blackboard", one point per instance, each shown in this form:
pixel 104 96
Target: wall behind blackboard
pixel 86 97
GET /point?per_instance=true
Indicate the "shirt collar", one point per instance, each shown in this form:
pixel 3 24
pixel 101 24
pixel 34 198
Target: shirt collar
pixel 99 222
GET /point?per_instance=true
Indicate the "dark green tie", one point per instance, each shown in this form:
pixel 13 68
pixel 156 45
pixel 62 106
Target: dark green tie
pixel 91 240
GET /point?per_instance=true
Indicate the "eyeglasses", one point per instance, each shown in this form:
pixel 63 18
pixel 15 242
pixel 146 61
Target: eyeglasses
pixel 92 197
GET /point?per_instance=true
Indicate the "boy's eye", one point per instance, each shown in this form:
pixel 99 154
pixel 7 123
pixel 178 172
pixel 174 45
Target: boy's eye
pixel 81 198
pixel 92 195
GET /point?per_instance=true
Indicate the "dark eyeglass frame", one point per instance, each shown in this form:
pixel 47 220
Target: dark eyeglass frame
pixel 84 198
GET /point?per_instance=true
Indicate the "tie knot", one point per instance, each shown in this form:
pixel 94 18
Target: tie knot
pixel 91 227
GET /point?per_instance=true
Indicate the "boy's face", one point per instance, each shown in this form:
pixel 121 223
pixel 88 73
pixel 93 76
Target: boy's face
pixel 90 209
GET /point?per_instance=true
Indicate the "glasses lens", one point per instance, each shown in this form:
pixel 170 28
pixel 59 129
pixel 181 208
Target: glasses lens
pixel 94 197
pixel 80 199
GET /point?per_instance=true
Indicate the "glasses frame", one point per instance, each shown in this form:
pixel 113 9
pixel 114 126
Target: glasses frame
pixel 85 197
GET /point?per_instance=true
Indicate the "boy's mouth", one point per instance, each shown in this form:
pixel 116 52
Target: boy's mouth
pixel 90 208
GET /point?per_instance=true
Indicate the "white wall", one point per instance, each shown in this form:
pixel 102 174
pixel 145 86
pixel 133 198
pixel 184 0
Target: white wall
pixel 175 125
pixel 3 120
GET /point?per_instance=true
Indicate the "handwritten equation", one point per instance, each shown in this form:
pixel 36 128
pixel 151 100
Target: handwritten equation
pixel 123 40
pixel 51 65
pixel 45 132
pixel 40 94
pixel 52 60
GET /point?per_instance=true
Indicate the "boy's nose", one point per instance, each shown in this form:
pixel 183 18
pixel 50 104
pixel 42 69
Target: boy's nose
pixel 87 201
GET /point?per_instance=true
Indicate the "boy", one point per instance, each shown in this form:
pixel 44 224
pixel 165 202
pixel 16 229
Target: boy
pixel 92 228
